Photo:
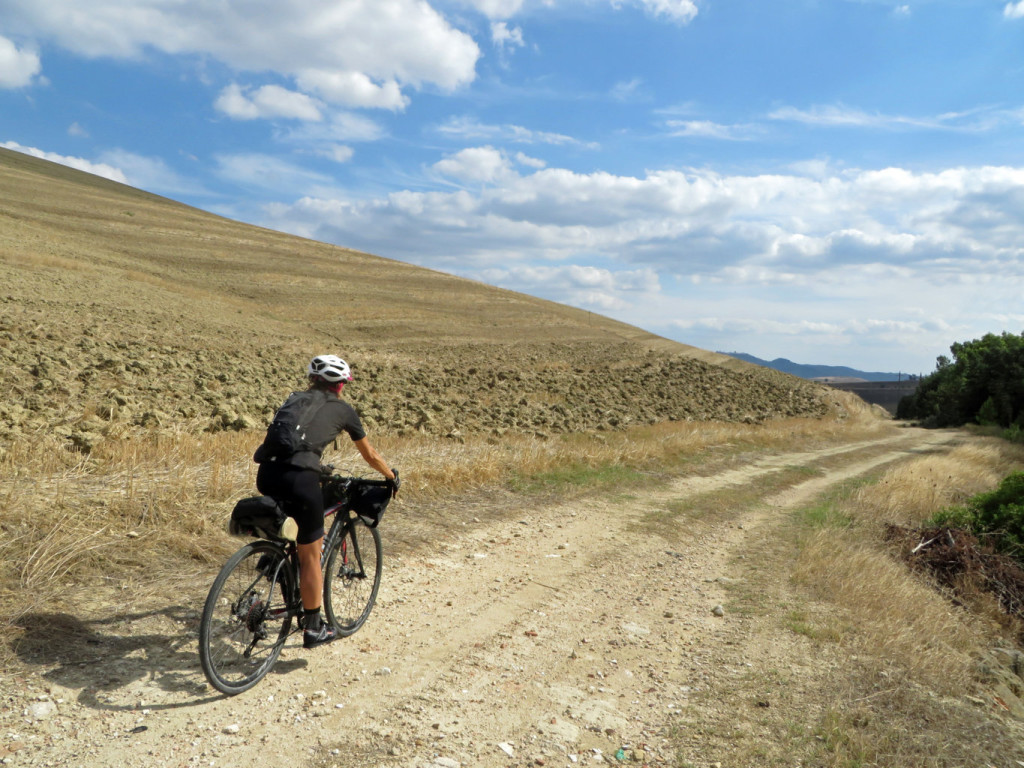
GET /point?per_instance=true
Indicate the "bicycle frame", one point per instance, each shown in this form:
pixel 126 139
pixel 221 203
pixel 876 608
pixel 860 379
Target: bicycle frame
pixel 339 527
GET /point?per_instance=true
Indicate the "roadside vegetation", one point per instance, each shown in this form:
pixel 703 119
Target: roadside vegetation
pixel 914 644
pixel 982 384
pixel 997 517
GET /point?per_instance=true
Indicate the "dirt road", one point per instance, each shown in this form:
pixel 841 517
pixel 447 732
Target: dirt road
pixel 563 635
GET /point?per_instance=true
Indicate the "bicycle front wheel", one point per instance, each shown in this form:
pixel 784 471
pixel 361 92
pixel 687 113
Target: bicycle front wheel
pixel 246 618
pixel 352 577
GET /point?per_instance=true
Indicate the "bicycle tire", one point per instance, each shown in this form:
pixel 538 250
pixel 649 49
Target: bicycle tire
pixel 352 577
pixel 238 642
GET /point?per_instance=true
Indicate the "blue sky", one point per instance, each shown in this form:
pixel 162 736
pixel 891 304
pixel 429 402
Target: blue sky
pixel 832 181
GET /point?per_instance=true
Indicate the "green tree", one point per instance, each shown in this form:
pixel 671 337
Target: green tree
pixel 986 373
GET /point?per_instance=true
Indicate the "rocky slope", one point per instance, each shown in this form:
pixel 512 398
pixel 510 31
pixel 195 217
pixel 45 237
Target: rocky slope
pixel 122 311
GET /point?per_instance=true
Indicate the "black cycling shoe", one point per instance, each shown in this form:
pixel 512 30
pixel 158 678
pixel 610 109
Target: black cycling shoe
pixel 311 639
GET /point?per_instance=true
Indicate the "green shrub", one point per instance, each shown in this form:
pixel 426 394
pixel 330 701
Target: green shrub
pixel 988 414
pixel 997 515
pixel 954 517
pixel 1001 512
pixel 1014 434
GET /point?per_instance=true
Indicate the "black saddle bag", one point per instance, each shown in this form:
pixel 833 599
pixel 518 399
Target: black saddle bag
pixel 261 517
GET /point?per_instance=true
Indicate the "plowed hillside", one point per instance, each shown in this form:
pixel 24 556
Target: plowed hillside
pixel 121 310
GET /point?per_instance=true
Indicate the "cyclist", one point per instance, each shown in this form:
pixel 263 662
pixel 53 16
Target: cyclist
pixel 294 481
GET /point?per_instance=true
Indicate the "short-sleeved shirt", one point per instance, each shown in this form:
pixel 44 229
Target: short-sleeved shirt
pixel 334 417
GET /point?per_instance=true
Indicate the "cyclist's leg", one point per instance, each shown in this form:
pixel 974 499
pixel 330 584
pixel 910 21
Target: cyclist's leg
pixel 309 514
pixel 311 577
pixel 299 492
pixel 307 507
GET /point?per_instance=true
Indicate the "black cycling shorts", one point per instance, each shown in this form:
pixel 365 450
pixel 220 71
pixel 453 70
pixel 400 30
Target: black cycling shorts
pixel 298 492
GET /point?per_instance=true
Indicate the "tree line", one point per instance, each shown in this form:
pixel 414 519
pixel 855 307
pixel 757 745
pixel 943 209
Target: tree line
pixel 983 384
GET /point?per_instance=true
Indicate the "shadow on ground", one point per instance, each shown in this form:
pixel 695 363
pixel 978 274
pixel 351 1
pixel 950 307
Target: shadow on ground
pixel 124 661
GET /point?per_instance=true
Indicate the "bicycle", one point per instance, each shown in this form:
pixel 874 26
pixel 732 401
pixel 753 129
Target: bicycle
pixel 248 613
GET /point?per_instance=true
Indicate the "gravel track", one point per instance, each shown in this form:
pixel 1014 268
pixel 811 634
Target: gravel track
pixel 565 634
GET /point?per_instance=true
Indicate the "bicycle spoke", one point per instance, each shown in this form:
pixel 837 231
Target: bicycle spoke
pixel 246 618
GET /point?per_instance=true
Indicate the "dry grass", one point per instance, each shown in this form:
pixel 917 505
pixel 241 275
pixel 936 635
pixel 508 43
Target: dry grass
pixel 893 616
pixel 900 617
pixel 914 651
pixel 135 509
pixel 911 493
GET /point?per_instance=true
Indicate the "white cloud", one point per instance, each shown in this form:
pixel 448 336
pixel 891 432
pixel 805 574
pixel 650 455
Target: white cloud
pixel 839 115
pixel 150 173
pixel 338 127
pixel 803 329
pixel 529 162
pixel 339 153
pixel 496 9
pixel 1014 10
pixel 354 89
pixel 580 285
pixel 268 101
pixel 105 170
pixel 816 233
pixel 583 276
pixel 77 130
pixel 18 67
pixel 390 42
pixel 268 172
pixel 627 89
pixel 504 38
pixel 682 11
pixel 469 128
pixel 709 130
pixel 477 164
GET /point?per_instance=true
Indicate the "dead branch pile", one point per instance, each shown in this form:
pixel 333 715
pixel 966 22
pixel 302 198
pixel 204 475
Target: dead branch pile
pixel 961 563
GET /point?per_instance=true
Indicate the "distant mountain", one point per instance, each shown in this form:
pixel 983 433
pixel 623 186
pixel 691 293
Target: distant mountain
pixel 817 371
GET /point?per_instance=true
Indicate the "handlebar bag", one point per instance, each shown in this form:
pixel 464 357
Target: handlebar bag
pixel 369 501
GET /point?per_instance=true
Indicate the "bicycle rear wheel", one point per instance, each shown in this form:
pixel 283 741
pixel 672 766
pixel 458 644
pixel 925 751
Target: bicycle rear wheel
pixel 352 577
pixel 246 618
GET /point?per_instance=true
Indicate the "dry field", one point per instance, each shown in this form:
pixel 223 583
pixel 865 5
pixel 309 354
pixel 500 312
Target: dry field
pixel 579 496
pixel 122 312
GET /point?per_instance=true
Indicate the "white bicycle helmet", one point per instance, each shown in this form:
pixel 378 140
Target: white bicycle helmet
pixel 330 368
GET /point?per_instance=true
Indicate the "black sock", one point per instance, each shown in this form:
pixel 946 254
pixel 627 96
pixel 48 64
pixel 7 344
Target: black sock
pixel 312 616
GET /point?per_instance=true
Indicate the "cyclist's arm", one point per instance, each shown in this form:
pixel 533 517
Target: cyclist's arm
pixel 370 455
